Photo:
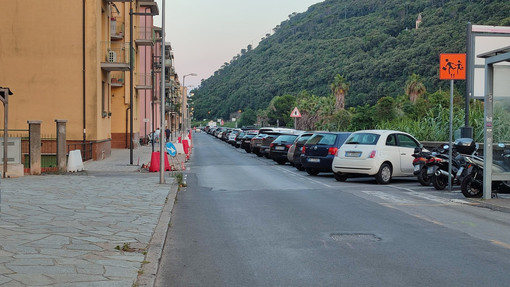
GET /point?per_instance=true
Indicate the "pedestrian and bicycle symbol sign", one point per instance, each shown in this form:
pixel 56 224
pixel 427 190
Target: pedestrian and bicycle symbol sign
pixel 295 113
pixel 170 148
pixel 452 67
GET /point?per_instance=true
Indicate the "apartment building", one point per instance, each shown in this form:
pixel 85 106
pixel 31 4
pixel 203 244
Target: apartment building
pixel 89 62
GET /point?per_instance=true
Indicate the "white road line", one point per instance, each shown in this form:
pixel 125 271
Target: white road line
pixel 302 177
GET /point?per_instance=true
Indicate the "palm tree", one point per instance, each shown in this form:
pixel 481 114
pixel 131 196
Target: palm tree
pixel 414 87
pixel 339 87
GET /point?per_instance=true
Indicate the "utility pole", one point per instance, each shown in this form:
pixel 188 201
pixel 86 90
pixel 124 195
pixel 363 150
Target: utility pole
pixel 163 92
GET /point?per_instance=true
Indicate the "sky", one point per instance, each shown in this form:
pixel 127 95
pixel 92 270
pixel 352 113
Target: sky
pixel 204 34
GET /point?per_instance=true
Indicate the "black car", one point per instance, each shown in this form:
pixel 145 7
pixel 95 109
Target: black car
pixel 294 153
pixel 318 152
pixel 266 141
pixel 246 140
pixel 280 146
pixel 256 142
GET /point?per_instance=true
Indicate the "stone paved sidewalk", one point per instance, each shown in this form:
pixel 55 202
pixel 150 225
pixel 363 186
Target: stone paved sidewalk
pixel 66 230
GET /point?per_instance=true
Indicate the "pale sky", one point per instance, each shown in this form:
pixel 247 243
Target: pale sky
pixel 207 33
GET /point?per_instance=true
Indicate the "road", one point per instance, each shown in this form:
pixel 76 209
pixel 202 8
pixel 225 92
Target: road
pixel 246 221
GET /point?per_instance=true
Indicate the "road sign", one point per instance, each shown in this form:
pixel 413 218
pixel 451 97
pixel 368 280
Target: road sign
pixel 452 67
pixel 170 149
pixel 295 113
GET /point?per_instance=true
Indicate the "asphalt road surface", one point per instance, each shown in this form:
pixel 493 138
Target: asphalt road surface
pixel 246 221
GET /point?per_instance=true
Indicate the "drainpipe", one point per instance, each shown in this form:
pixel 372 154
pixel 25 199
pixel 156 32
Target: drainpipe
pixel 127 122
pixel 131 65
pixel 84 70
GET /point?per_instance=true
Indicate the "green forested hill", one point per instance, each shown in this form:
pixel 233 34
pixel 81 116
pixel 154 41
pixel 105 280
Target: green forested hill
pixel 372 43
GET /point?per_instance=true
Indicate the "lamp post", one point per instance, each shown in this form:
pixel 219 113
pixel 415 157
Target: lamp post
pixel 185 94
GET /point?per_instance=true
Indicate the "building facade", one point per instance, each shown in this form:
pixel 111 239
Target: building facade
pixel 89 62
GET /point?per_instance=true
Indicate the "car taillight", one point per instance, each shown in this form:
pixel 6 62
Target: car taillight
pixel 271 145
pixel 372 154
pixel 303 150
pixel 288 145
pixel 332 150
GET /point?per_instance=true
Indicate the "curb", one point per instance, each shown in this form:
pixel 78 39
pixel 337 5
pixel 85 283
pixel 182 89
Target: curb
pixel 148 271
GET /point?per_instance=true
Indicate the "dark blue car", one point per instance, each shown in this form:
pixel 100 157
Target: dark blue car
pixel 318 152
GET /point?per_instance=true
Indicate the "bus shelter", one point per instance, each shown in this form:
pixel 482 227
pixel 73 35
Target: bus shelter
pixel 496 118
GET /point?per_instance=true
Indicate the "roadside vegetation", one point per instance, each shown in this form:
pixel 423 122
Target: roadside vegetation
pixel 351 65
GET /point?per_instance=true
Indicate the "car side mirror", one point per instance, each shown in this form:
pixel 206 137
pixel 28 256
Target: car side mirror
pixel 417 150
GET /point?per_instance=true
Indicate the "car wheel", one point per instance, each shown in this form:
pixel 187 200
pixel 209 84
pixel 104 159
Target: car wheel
pixel 312 171
pixel 300 167
pixel 383 176
pixel 281 161
pixel 340 176
pixel 258 154
pixel 247 150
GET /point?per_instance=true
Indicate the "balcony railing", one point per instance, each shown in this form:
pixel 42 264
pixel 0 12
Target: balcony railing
pixel 144 36
pixel 117 28
pixel 143 81
pixel 117 79
pixel 116 56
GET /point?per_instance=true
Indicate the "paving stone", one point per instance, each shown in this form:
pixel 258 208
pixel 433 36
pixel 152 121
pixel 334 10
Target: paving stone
pixel 31 279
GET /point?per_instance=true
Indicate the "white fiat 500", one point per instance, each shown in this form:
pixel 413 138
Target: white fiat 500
pixel 379 153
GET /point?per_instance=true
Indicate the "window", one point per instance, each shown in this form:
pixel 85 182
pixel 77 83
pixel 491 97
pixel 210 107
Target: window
pixel 391 140
pixel 406 141
pixel 363 138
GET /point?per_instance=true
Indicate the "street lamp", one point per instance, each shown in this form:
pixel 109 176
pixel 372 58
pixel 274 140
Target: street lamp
pixel 185 92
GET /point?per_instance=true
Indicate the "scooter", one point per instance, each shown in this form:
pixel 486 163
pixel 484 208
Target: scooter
pixel 472 184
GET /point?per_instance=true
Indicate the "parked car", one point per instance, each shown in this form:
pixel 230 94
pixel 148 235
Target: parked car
pixel 294 152
pixel 318 152
pixel 233 136
pixel 246 140
pixel 280 146
pixel 379 153
pixel 226 133
pixel 256 142
pixel 266 141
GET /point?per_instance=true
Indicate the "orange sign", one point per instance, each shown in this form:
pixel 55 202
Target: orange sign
pixel 295 113
pixel 452 67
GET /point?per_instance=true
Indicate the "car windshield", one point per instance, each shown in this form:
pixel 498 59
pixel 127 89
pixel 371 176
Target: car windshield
pixel 322 139
pixel 286 138
pixel 363 138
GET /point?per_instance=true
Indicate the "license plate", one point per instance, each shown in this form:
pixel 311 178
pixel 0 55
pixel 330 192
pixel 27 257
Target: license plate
pixel 416 168
pixel 279 147
pixel 430 170
pixel 314 160
pixel 352 154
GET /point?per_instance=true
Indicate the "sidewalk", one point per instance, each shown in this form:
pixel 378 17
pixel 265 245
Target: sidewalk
pixel 101 227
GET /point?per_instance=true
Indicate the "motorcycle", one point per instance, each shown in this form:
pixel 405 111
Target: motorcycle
pixel 472 184
pixel 438 167
pixel 420 164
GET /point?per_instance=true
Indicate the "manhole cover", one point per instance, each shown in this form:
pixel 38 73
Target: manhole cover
pixel 355 237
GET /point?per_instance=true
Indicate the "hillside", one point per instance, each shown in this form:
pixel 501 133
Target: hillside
pixel 372 43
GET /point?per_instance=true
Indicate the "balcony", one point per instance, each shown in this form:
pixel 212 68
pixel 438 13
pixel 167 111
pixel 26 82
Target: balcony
pixel 117 28
pixel 117 79
pixel 144 36
pixel 115 56
pixel 154 10
pixel 143 81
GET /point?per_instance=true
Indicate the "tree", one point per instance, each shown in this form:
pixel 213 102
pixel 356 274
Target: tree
pixel 248 118
pixel 339 87
pixel 414 87
pixel 279 110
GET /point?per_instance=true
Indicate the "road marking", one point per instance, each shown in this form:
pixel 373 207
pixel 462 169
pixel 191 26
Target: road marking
pixel 301 176
pixel 502 244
